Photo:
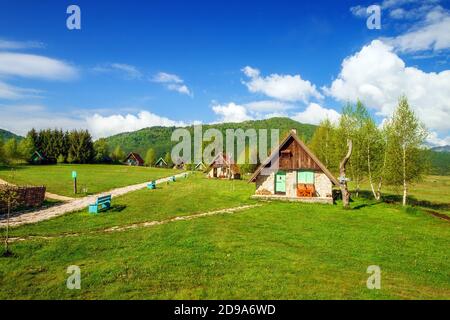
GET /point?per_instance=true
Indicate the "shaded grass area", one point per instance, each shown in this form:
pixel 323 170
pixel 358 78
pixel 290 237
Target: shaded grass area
pixel 432 193
pixel 92 178
pixel 278 251
pixel 185 196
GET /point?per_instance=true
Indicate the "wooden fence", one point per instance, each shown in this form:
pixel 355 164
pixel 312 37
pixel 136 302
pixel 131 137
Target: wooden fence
pixel 27 197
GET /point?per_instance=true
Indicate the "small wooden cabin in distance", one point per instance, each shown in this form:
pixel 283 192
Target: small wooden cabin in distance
pixel 223 167
pixel 134 159
pixel 296 174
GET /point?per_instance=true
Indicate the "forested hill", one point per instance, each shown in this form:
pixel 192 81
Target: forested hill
pixel 6 135
pixel 158 138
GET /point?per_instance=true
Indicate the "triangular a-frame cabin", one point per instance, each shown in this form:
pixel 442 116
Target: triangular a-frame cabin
pixel 223 167
pixel 161 163
pixel 293 172
pixel 200 166
pixel 39 158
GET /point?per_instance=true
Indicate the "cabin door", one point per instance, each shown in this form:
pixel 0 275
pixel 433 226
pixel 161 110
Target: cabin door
pixel 280 182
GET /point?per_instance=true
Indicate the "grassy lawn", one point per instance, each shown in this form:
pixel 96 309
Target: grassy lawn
pixel 194 194
pixel 94 177
pixel 276 251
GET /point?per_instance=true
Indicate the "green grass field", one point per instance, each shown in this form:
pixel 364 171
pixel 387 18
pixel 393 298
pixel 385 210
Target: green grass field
pixel 275 251
pixel 94 177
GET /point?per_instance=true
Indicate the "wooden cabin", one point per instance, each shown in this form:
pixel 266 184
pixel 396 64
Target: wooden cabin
pixel 296 174
pixel 179 164
pixel 39 158
pixel 223 167
pixel 200 166
pixel 161 163
pixel 134 159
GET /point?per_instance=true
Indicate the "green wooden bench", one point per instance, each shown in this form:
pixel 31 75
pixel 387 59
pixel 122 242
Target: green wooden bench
pixel 102 203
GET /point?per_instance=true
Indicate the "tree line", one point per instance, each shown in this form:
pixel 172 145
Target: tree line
pixel 60 146
pixel 391 154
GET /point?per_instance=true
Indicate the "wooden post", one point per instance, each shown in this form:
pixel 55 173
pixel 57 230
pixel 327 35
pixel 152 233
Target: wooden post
pixel 343 180
pixel 74 177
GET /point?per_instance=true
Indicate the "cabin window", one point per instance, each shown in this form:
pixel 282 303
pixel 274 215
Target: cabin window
pixel 305 177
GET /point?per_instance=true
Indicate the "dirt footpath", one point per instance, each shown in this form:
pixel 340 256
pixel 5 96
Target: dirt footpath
pixel 141 224
pixel 72 205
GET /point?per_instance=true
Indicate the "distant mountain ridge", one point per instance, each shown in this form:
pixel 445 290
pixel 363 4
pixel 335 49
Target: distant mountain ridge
pixel 441 149
pixel 158 138
pixel 6 135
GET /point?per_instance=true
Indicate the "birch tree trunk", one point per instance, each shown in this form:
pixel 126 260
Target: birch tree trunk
pixel 404 176
pixel 343 181
pixel 370 173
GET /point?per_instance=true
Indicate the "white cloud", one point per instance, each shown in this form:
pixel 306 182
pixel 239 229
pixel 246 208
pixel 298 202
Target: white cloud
pixel 359 11
pixel 434 140
pixel 172 82
pixel 314 114
pixel 103 126
pixel 164 77
pixel 268 106
pixel 433 33
pixel 20 118
pixel 281 87
pixel 231 112
pixel 10 92
pixel 16 45
pixel 378 77
pixel 128 71
pixel 35 66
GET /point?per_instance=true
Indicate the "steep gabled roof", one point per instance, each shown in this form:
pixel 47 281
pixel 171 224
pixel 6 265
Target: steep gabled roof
pixel 136 157
pixel 222 158
pixel 275 152
pixel 159 160
pixel 200 164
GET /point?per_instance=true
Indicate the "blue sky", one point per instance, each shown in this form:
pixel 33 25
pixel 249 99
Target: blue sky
pixel 135 64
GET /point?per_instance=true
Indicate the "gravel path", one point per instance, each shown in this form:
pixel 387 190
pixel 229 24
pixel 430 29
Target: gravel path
pixel 72 205
pixel 139 225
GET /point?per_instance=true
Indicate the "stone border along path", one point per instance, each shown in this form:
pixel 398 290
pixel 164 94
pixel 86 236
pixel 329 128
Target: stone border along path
pixel 138 225
pixel 73 205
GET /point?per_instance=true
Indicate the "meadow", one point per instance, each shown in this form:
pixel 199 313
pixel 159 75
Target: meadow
pixel 92 178
pixel 274 251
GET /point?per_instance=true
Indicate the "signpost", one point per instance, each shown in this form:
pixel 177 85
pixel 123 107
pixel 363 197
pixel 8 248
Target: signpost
pixel 74 177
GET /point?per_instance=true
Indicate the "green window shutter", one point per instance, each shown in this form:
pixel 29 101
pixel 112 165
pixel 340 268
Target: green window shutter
pixel 305 177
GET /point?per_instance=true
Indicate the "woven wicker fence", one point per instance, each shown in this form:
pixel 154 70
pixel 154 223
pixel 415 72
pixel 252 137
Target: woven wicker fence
pixel 27 197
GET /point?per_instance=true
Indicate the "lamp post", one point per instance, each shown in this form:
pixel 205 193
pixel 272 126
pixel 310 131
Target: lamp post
pixel 74 177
